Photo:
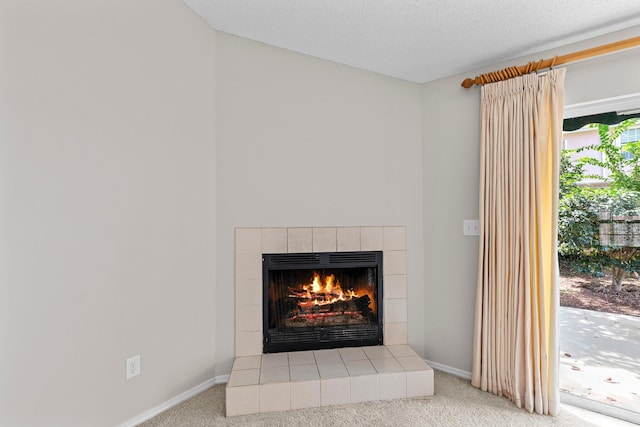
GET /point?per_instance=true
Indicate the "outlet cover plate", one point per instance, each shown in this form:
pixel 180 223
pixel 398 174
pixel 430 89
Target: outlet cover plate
pixel 132 367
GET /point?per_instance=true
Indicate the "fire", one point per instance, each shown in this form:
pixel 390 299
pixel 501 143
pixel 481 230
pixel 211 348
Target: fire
pixel 321 291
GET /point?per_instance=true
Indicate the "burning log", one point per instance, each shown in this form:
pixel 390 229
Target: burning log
pixel 363 303
pixel 359 305
pixel 308 320
pixel 297 293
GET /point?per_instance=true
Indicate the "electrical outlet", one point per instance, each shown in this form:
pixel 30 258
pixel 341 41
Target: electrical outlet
pixel 132 367
pixel 471 227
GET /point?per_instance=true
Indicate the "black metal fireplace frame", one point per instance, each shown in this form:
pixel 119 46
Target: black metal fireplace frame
pixel 317 338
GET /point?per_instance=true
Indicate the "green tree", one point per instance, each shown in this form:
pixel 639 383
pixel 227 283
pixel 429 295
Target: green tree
pixel 571 174
pixel 583 211
pixel 623 163
pixel 584 238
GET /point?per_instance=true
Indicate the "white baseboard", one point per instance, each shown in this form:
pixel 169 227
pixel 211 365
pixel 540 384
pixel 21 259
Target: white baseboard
pixel 450 370
pixel 147 415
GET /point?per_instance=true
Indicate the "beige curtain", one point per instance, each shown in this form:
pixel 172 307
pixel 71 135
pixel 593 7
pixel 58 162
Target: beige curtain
pixel 515 351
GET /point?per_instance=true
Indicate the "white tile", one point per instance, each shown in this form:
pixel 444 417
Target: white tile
pixel 401 350
pixel 348 239
pixel 304 372
pixel 275 397
pixel 395 262
pixel 327 356
pixel 247 362
pixel 360 367
pixel 279 374
pixel 248 343
pixel 299 240
pixel 274 240
pixel 387 365
pixel 377 352
pixel 248 266
pixel 412 363
pixel 371 239
pixel 395 333
pixel 335 391
pixel 332 370
pixel 395 239
pixel 244 377
pixel 352 353
pixel 420 383
pixel 274 360
pixel 301 358
pixel 248 241
pixel 395 310
pixel 305 394
pixel 249 292
pixel 249 318
pixel 364 388
pixel 242 400
pixel 395 286
pixel 392 386
pixel 324 239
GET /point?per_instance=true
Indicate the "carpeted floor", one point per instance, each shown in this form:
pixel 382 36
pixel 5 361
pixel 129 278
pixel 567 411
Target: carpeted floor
pixel 455 403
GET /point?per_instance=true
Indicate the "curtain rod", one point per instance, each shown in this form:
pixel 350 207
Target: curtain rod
pixel 515 71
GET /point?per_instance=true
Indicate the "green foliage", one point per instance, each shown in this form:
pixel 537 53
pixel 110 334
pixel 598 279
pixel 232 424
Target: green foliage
pixel 579 206
pixel 578 225
pixel 633 175
pixel 579 230
pixel 624 169
pixel 570 174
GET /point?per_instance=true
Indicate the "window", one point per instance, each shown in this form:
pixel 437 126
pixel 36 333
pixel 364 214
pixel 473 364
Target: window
pixel 629 135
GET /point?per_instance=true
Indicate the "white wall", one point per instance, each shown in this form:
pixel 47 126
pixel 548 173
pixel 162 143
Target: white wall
pixel 107 213
pixel 307 142
pixel 451 118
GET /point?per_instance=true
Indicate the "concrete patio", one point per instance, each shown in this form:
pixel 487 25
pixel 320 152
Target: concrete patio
pixel 600 358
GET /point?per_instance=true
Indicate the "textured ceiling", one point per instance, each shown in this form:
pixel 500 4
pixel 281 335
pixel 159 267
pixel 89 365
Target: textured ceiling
pixel 418 40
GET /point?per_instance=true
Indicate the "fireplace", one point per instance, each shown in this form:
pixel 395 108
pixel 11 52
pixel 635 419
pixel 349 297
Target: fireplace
pixel 314 301
pixel 277 381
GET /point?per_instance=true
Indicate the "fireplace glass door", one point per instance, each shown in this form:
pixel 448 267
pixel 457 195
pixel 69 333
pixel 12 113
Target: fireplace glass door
pixel 321 300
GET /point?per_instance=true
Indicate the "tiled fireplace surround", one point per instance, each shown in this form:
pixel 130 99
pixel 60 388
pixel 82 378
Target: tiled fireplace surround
pixel 283 381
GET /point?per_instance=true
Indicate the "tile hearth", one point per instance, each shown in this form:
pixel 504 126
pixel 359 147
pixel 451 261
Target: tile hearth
pixel 308 379
pixel 282 381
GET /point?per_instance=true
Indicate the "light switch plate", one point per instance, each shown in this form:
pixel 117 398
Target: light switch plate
pixel 471 227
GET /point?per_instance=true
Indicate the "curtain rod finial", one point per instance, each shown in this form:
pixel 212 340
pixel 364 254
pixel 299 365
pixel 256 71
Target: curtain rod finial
pixel 467 83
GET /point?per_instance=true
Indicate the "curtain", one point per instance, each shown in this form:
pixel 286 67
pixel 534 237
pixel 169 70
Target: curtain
pixel 515 349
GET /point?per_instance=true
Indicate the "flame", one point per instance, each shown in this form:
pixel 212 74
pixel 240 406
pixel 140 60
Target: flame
pixel 321 290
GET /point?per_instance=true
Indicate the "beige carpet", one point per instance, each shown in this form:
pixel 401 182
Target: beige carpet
pixel 455 403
